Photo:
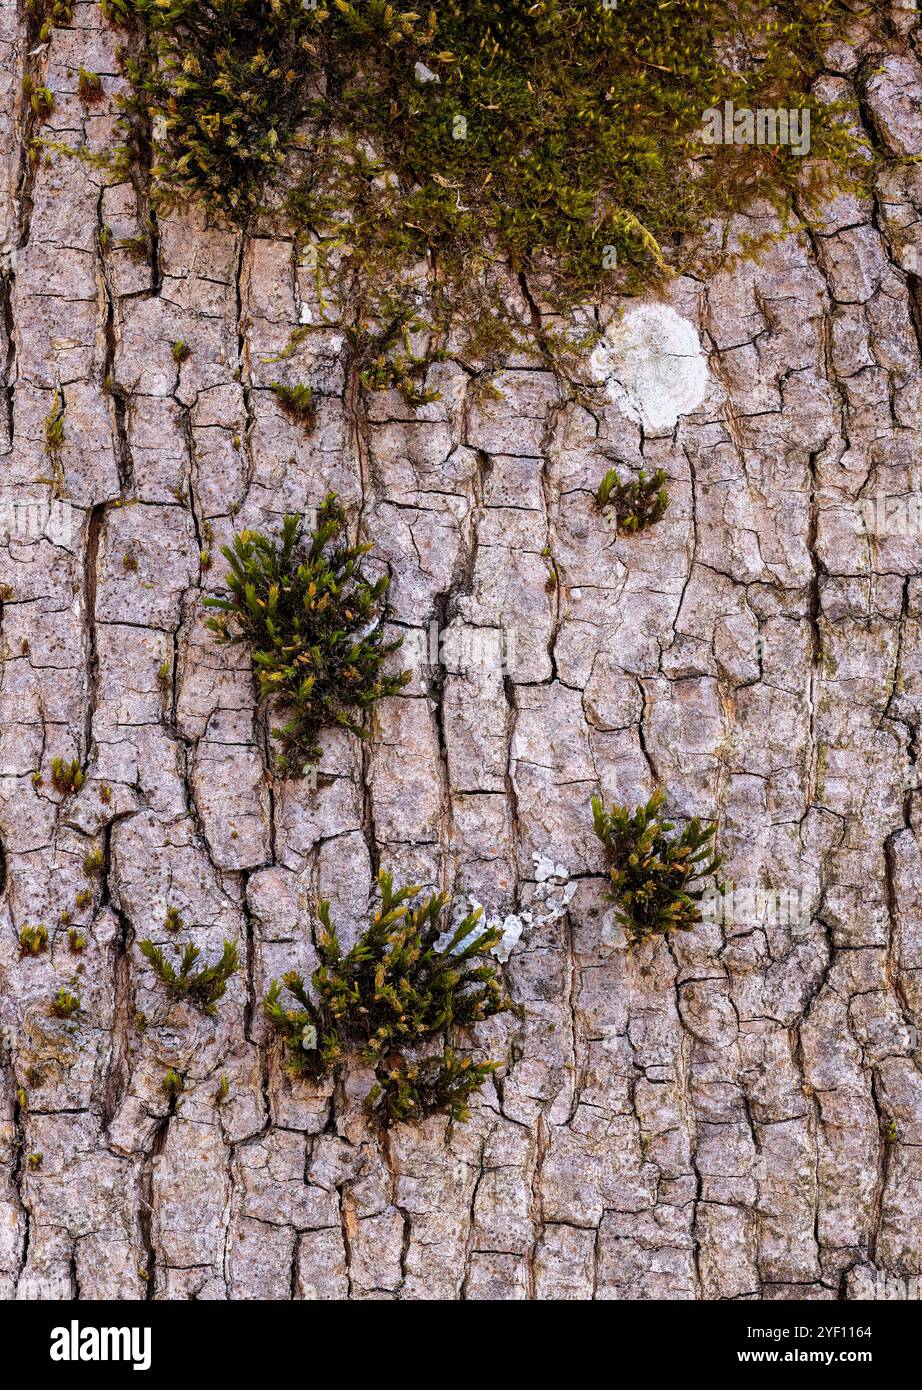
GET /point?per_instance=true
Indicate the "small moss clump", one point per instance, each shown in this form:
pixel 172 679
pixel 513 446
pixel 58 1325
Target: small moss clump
pixel 35 1162
pixel 173 921
pixel 64 1004
pixel 94 863
pixel 314 622
pixel 67 777
pixel 89 86
pixel 652 871
pixel 76 941
pixel 394 989
pixel 297 402
pixel 181 351
pixel 33 940
pixel 634 505
pixel 54 425
pixel 202 988
pixel 440 1084
pixel 172 1084
pixel 41 99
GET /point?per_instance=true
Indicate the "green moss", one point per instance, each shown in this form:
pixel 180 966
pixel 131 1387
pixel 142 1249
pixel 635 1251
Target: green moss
pixel 202 988
pixel 44 15
pixel 173 921
pixel 33 940
pixel 76 941
pixel 64 1004
pixel 41 99
pixel 172 1084
pixel 54 424
pixel 67 777
pixel 561 139
pixel 393 990
pixel 94 863
pixel 633 505
pixel 653 872
pixel 297 402
pixel 89 86
pixel 181 351
pixel 35 1162
pixel 436 1085
pixel 314 623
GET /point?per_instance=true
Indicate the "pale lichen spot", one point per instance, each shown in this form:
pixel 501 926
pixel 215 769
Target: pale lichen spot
pixel 653 366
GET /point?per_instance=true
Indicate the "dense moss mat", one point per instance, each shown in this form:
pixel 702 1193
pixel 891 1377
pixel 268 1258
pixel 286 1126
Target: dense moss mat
pixel 561 140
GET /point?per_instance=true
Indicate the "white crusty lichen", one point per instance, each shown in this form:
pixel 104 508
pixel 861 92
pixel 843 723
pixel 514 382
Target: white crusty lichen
pixel 553 890
pixel 653 366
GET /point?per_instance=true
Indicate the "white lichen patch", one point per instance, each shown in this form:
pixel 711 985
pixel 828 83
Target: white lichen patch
pixel 553 890
pixel 653 366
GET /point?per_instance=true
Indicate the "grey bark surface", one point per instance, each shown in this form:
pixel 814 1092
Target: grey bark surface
pixel 734 1114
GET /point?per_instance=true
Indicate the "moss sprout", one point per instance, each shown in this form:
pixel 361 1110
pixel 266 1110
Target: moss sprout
pixel 297 402
pixel 54 425
pixel 201 987
pixel 89 86
pixel 653 872
pixel 94 862
pixel 35 1161
pixel 633 505
pixel 180 351
pixel 314 623
pixel 41 99
pixel 173 921
pixel 76 941
pixel 172 1084
pixel 67 777
pixel 404 1093
pixel 65 1004
pixel 33 940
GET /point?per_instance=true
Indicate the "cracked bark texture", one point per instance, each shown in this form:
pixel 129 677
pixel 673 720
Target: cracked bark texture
pixel 704 1119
